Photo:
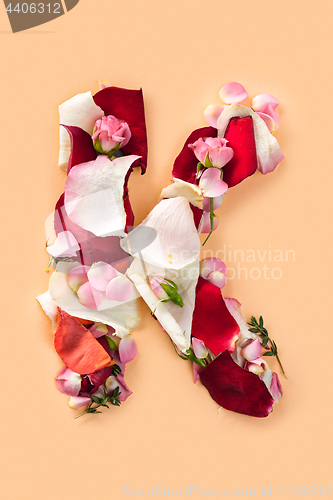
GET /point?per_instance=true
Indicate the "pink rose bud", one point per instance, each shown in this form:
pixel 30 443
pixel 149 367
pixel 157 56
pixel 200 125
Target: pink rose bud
pixel 212 151
pixel 110 132
pixel 157 289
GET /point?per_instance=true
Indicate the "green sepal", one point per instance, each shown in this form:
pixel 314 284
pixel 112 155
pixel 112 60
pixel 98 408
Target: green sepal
pixel 112 344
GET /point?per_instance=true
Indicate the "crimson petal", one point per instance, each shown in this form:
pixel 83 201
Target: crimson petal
pixel 82 149
pixel 77 346
pixel 236 389
pixel 241 139
pixel 127 105
pixel 212 323
pixel 185 166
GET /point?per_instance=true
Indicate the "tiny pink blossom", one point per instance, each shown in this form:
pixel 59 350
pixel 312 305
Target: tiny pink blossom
pixel 109 131
pixel 216 148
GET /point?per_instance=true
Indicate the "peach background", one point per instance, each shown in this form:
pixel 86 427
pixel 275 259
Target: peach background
pixel 169 432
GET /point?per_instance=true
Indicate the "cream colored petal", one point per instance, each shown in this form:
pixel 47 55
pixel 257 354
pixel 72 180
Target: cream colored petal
pixel 79 111
pixel 191 192
pixel 49 307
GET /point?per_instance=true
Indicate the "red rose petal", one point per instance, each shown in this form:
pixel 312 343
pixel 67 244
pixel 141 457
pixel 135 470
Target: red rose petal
pixel 77 346
pixel 127 105
pixel 244 163
pixel 82 149
pixel 185 166
pixel 212 323
pixel 236 389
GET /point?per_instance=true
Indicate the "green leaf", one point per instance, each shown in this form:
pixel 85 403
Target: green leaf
pixel 264 341
pixel 176 299
pixel 261 322
pixel 269 353
pixel 96 399
pixel 253 330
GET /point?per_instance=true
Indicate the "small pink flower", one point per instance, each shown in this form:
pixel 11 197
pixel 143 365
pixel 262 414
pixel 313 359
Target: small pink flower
pixel 212 151
pixel 108 132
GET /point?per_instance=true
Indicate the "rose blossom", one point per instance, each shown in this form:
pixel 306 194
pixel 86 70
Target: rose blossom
pixel 216 148
pixel 108 132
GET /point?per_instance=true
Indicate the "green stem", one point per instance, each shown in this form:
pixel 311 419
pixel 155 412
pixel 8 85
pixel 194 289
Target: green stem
pixel 211 220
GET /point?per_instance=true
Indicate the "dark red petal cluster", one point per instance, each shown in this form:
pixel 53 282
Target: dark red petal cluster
pixel 236 389
pixel 77 346
pixel 244 163
pixel 82 149
pixel 127 105
pixel 212 323
pixel 185 166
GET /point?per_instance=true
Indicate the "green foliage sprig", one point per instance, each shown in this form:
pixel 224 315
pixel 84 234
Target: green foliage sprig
pixel 113 400
pixel 258 328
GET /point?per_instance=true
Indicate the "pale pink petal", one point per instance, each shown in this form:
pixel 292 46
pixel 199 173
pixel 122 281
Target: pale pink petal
pixel 199 348
pixel 233 92
pixel 257 366
pixel 68 382
pixel 99 330
pixel 77 277
pixel 196 370
pixel 211 264
pixel 212 184
pixel 127 349
pixel 100 274
pixel 234 307
pixel 119 289
pixel 217 278
pixel 217 202
pixel 76 402
pixel 262 100
pixel 112 383
pixel 94 195
pixel 276 388
pixel 205 224
pixel 268 150
pixel 252 350
pixel 64 246
pixel 212 114
pixel 271 125
pixel 89 297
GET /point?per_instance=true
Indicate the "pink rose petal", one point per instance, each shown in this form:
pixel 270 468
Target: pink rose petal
pixel 89 297
pixel 119 289
pixel 77 277
pixel 212 114
pixel 100 275
pixel 205 224
pixel 76 402
pixel 217 202
pixel 276 388
pixel 199 348
pixel 252 350
pixel 212 184
pixel 232 93
pixel 127 349
pixel 68 382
